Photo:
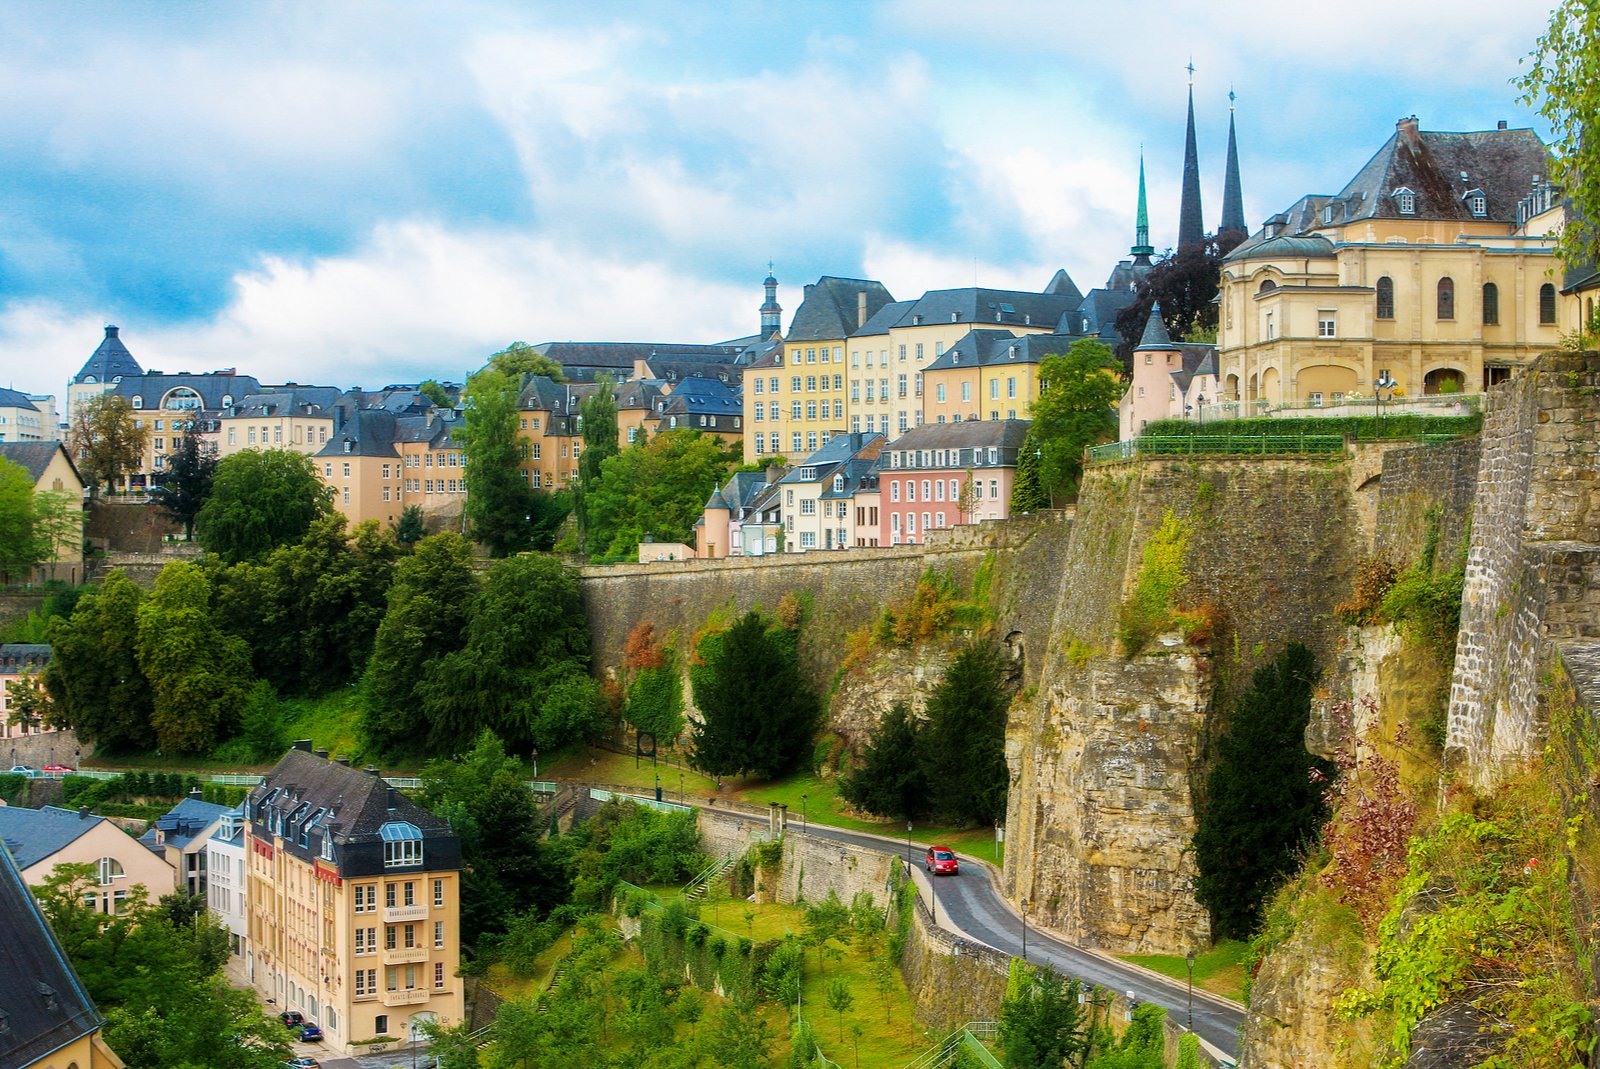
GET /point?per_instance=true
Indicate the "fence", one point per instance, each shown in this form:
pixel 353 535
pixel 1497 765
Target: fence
pixel 1443 404
pixel 1226 444
pixel 661 807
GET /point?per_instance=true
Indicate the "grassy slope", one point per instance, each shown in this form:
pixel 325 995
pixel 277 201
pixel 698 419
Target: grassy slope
pixel 1219 970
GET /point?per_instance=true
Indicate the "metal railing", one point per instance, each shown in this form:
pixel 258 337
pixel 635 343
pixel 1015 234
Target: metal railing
pixel 650 803
pixel 967 1038
pixel 1228 444
pixel 1433 404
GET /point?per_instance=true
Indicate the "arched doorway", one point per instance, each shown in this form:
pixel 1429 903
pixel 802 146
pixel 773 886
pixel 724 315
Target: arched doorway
pixel 1269 385
pixel 1230 388
pixel 1443 380
pixel 1252 391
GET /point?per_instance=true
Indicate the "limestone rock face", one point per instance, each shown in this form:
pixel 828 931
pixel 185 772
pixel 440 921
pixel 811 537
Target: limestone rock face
pixel 1291 1022
pixel 896 675
pixel 1101 812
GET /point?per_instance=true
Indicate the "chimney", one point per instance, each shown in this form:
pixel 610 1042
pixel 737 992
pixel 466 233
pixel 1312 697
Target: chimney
pixel 861 305
pixel 323 753
pixel 1408 126
pixel 343 760
pixel 111 332
pixel 371 770
pixel 1501 125
pixel 83 810
pixel 302 744
pixel 197 795
pixel 394 799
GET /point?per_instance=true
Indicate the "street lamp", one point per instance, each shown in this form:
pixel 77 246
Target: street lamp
pixel 805 826
pixel 1385 381
pixel 908 844
pixel 1200 399
pixel 536 762
pixel 1190 959
pixel 1024 929
pixel 658 786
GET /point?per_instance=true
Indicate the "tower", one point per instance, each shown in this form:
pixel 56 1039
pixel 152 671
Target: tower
pixel 1142 249
pixel 1232 197
pixel 771 311
pixel 1191 221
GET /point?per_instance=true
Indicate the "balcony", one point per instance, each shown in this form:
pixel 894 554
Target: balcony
pixel 405 956
pixel 405 998
pixel 405 913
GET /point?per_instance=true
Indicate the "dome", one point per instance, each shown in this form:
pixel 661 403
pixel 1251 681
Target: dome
pixel 1285 247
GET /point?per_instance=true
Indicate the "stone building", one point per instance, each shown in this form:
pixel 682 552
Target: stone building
pixel 355 898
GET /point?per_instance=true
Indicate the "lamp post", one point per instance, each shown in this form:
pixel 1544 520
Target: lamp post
pixel 805 825
pixel 1385 381
pixel 536 762
pixel 1200 399
pixel 908 845
pixel 658 786
pixel 1024 929
pixel 1190 960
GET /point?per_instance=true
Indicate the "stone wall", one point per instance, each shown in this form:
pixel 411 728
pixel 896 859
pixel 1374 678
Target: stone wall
pixel 115 526
pixel 951 980
pixel 16 607
pixel 1423 489
pixel 48 748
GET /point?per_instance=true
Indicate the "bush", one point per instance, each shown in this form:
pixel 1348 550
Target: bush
pixel 1376 576
pixel 1149 609
pixel 1406 425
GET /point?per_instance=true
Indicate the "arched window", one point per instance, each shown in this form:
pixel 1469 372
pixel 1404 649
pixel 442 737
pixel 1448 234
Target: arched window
pixel 109 869
pixel 1267 286
pixel 1385 297
pixel 1491 304
pixel 138 402
pixel 1547 303
pixel 181 397
pixel 1447 298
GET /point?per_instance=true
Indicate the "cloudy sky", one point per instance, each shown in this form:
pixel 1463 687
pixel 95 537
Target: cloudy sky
pixel 355 193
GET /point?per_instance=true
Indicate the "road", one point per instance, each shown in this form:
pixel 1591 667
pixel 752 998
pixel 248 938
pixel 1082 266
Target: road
pixel 971 904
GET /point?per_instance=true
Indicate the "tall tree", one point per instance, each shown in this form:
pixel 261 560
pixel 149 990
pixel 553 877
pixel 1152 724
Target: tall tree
pixel 757 713
pixel 409 529
pixel 1563 83
pixel 598 413
pixel 964 741
pixel 190 470
pixel 1076 408
pixel 106 440
pixel 519 358
pixel 261 499
pixel 527 634
pixel 1041 1025
pixel 199 675
pixel 1027 491
pixel 57 523
pixel 427 615
pixel 656 487
pixel 499 499
pixel 19 539
pixel 94 678
pixel 890 779
pixel 1264 796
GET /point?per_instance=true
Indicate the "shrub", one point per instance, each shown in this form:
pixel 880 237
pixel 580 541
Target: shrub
pixel 1148 610
pixel 1373 580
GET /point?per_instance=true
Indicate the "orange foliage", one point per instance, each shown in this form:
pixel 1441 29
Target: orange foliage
pixel 642 650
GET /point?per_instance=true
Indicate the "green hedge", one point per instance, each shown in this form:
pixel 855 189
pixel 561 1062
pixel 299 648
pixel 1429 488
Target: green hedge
pixel 1406 425
pixel 676 945
pixel 137 812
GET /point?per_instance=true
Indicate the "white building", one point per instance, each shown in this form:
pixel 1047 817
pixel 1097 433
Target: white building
pixel 228 888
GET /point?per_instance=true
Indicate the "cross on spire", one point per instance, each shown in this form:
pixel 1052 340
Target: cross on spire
pixel 1190 69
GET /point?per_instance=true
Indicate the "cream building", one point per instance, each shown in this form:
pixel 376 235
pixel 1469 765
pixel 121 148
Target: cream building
pixel 41 839
pixel 1427 265
pixel 21 420
pixel 53 472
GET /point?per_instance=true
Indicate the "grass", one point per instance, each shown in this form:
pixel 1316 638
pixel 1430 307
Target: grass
pixel 501 980
pixel 1219 970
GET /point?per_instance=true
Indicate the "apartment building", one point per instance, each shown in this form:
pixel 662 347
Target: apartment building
pixel 702 404
pixel 41 839
pixel 939 475
pixel 21 420
pixel 989 374
pixel 181 834
pixel 818 495
pixel 228 884
pixel 284 417
pixel 354 901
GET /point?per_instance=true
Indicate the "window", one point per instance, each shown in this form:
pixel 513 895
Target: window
pixel 811 356
pixel 366 982
pixel 794 384
pixel 438 934
pixel 1405 201
pixel 1271 329
pixel 794 411
pixel 438 976
pixel 811 410
pixel 411 937
pixel 109 869
pixel 902 354
pixel 772 384
pixel 232 435
pixel 902 385
pixel 761 443
pixel 1477 203
pixel 811 383
pixel 811 441
pixel 366 940
pixel 808 507
pixel 808 540
pixel 347 470
pixel 1491 304
pixel 855 389
pixel 1316 399
pixel 410 893
pixel 1325 325
pixel 389 937
pixel 759 384
pixel 1447 298
pixel 919 350
pixel 926 487
pixel 772 410
pixel 966 391
pixel 794 439
pixel 940 393
pixel 380 1023
pixel 994 489
pixel 838 382
pixel 894 491
pixel 1385 297
pixel 402 847
pixel 1547 303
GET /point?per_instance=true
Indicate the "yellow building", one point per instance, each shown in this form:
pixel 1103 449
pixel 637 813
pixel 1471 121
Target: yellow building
pixel 1425 266
pixel 52 471
pixel 289 417
pixel 988 374
pixel 354 902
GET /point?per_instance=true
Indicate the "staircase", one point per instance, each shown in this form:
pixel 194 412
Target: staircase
pixel 969 1038
pixel 696 888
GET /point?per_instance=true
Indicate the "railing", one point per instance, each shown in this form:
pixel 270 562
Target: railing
pixel 1436 404
pixel 1229 444
pixel 650 803
pixel 697 887
pixel 964 1038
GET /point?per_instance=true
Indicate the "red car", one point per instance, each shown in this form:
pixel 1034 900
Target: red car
pixel 58 768
pixel 941 861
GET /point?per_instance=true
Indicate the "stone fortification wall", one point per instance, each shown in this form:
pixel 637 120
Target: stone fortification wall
pixel 1426 492
pixel 951 980
pixel 1533 569
pixel 49 748
pixel 16 607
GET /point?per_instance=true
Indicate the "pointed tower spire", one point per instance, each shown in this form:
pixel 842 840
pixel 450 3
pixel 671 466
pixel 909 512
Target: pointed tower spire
pixel 1155 335
pixel 1191 221
pixel 771 311
pixel 1142 250
pixel 1232 197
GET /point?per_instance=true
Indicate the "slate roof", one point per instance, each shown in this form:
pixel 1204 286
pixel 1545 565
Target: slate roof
pixel 698 396
pixel 34 834
pixel 1198 359
pixel 212 387
pixel 836 450
pixel 109 362
pixel 831 308
pixel 985 348
pixel 16 656
pixel 968 434
pixel 42 1000
pixel 16 399
pixel 231 833
pixel 986 307
pixel 279 400
pixel 620 355
pixel 184 821
pixel 1061 285
pixel 35 456
pixel 364 432
pixel 740 489
pixel 1097 315
pixel 1155 332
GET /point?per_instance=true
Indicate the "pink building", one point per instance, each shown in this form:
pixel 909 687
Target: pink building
pixel 1170 380
pixel 942 474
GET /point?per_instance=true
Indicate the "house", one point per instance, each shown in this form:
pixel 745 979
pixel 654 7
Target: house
pixel 165 405
pixel 818 494
pixel 720 532
pixel 20 662
pixel 228 884
pixel 49 1021
pixel 280 417
pixel 180 834
pixel 41 839
pixel 22 421
pixel 53 472
pixel 355 898
pixel 1425 265
pixel 989 374
pixel 1171 380
pixel 939 475
pixel 701 404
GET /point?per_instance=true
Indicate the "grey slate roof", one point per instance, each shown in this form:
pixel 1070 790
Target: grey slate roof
pixel 968 434
pixel 699 396
pixel 1198 359
pixel 831 308
pixel 34 456
pixel 34 834
pixel 17 656
pixel 884 318
pixel 16 399
pixel 1097 315
pixel 42 1000
pixel 986 348
pixel 840 449
pixel 109 362
pixel 212 387
pixel 186 820
pixel 364 432
pixel 986 307
pixel 1155 332
pixel 619 355
pixel 737 493
pixel 1061 285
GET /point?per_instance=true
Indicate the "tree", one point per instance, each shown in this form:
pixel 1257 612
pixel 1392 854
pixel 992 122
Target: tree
pixel 105 440
pixel 1027 490
pixel 963 744
pixel 57 523
pixel 527 634
pixel 656 487
pixel 885 978
pixel 191 468
pixel 1076 408
pixel 199 676
pixel 519 359
pixel 1040 1023
pixel 19 538
pixel 261 499
pixel 436 393
pixel 429 607
pixel 840 1001
pixel 598 416
pixel 655 693
pixel 499 499
pixel 890 780
pixel 1263 803
pixel 757 713
pixel 1563 83
pixel 409 529
pixel 94 678
pixel 453 1046
pixel 1143 1045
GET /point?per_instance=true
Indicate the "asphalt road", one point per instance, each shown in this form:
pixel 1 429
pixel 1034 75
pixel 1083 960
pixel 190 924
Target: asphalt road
pixel 972 904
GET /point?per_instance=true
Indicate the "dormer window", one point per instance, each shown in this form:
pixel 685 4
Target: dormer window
pixel 1477 203
pixel 402 844
pixel 1405 201
pixel 138 402
pixel 1327 214
pixel 838 483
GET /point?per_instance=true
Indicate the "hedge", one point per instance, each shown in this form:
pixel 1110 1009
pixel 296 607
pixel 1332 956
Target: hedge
pixel 1365 428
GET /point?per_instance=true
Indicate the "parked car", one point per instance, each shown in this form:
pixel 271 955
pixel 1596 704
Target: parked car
pixel 300 1063
pixel 941 861
pixel 58 768
pixel 292 1017
pixel 310 1033
pixel 23 770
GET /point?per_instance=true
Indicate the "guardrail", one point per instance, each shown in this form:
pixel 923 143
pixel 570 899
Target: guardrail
pixel 661 807
pixel 1225 444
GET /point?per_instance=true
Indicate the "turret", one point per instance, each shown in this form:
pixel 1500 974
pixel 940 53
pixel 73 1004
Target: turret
pixel 771 311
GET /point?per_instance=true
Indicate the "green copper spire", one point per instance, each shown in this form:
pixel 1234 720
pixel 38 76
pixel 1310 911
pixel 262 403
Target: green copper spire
pixel 1142 249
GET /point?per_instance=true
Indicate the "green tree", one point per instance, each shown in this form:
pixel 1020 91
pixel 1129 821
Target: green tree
pixel 1143 1045
pixel 889 780
pixel 963 744
pixel 757 714
pixel 191 469
pixel 57 523
pixel 19 539
pixel 453 1046
pixel 840 1000
pixel 409 529
pixel 519 359
pixel 105 440
pixel 1027 491
pixel 655 487
pixel 499 499
pixel 598 415
pixel 429 608
pixel 1563 83
pixel 95 682
pixel 1076 408
pixel 1188 1052
pixel 1264 796
pixel 1041 1024
pixel 433 391
pixel 199 675
pixel 527 634
pixel 261 499
pixel 740 1038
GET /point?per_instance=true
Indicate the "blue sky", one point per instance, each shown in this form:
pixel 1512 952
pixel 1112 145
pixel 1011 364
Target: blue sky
pixel 355 193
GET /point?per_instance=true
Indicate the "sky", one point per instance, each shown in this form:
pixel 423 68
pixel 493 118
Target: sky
pixel 350 193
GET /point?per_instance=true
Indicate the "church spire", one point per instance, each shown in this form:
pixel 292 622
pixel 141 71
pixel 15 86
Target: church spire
pixel 771 311
pixel 1191 221
pixel 1142 250
pixel 1232 197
